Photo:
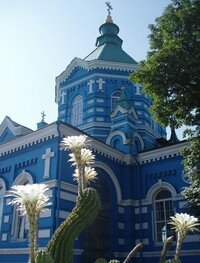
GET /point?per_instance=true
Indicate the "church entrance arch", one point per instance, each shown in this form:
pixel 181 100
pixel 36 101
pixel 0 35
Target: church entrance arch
pixel 99 238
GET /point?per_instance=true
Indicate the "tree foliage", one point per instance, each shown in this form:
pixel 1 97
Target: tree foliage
pixel 171 72
pixel 171 76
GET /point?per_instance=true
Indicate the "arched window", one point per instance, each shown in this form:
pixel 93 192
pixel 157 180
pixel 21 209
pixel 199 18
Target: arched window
pixel 2 194
pixel 20 225
pixel 115 98
pixel 163 209
pixel 77 111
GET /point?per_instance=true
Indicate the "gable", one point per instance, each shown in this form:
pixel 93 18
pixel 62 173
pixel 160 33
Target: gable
pixel 121 111
pixel 6 136
pixel 10 130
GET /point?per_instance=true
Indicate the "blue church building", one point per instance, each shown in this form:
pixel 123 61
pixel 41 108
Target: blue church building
pixel 140 173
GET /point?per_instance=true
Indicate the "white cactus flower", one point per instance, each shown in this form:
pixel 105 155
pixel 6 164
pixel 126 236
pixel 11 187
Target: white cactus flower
pixel 85 157
pixel 74 142
pixel 90 174
pixel 183 223
pixel 31 199
pixel 30 194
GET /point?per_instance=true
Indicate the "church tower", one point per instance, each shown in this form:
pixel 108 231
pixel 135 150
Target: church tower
pixel 89 91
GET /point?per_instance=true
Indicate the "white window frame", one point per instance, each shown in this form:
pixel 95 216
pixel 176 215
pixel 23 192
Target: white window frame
pixel 166 218
pixel 77 111
pixel 20 226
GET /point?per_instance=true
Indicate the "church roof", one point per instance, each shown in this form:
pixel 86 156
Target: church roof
pixel 109 45
pixel 14 128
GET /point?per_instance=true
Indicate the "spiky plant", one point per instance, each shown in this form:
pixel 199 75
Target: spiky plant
pixel 31 200
pixel 182 224
pixel 82 158
pixel 60 247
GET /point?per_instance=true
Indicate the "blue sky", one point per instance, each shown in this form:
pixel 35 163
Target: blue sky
pixel 39 39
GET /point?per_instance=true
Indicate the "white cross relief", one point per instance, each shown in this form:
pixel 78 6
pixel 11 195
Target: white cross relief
pixel 62 97
pixel 47 158
pixel 100 82
pixel 90 84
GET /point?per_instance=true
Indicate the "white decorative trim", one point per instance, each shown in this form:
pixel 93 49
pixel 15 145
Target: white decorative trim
pixel 23 177
pixel 69 187
pixel 15 128
pixel 161 153
pixel 47 162
pixel 6 219
pixel 30 139
pixel 99 100
pixel 93 64
pixel 46 213
pixel 14 251
pixel 44 233
pixel 90 86
pixel 4 237
pixel 2 183
pixel 113 178
pixel 97 146
pixel 143 210
pixel 123 111
pixel 8 200
pixel 99 109
pixel 116 133
pixel 157 187
pixel 68 196
pixel 100 82
pixel 63 214
pixel 139 137
pixel 99 119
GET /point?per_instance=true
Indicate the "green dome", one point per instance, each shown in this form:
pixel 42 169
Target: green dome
pixel 109 45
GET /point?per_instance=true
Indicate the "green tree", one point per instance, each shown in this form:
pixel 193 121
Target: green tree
pixel 171 76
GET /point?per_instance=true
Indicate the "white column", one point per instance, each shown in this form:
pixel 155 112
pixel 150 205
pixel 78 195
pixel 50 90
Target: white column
pixel 47 158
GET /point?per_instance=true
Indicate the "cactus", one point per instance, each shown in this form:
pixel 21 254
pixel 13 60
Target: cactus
pixel 60 247
pixel 43 257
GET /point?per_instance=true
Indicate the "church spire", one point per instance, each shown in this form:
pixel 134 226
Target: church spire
pixel 173 138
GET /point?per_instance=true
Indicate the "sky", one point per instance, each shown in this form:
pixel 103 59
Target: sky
pixel 39 38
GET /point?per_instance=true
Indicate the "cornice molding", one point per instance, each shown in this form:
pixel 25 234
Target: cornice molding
pixel 161 153
pixel 96 146
pixel 93 64
pixel 30 139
